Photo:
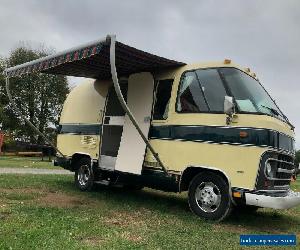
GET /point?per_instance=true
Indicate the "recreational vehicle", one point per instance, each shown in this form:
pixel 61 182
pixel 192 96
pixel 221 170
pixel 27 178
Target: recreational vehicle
pixel 141 120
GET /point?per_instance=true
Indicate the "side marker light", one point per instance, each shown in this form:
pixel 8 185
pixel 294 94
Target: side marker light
pixel 237 194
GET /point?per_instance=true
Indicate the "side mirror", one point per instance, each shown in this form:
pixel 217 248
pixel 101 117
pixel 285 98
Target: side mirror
pixel 58 129
pixel 229 108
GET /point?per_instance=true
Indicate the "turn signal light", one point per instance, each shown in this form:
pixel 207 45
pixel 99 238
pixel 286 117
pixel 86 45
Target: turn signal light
pixel 237 194
pixel 243 134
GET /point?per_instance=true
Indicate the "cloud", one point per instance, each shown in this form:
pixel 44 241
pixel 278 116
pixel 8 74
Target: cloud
pixel 262 35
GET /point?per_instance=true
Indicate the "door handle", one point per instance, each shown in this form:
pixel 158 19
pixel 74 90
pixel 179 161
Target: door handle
pixel 106 120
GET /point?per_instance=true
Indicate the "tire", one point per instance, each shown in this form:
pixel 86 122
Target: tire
pixel 209 196
pixel 84 176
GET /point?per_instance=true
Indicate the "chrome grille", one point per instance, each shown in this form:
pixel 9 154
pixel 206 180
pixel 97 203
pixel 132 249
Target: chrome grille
pixel 283 167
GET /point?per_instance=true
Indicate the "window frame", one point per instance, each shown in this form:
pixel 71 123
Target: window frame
pixel 201 112
pixel 254 113
pixel 228 92
pixel 157 82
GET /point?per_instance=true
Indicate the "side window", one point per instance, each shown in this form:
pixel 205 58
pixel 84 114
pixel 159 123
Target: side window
pixel 213 88
pixel 190 95
pixel 201 91
pixel 162 99
pixel 113 106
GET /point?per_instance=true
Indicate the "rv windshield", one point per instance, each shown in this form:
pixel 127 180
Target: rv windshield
pixel 249 94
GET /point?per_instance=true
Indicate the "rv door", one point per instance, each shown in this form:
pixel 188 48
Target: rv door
pixel 112 129
pixel 139 100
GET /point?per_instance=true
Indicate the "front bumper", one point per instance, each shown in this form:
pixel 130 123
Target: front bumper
pixel 273 200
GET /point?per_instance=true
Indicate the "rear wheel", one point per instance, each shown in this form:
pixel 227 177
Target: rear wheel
pixel 84 176
pixel 209 196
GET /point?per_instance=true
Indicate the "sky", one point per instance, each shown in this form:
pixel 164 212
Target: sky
pixel 261 35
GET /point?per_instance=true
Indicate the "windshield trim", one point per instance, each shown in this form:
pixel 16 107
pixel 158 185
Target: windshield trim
pixel 281 115
pixel 282 118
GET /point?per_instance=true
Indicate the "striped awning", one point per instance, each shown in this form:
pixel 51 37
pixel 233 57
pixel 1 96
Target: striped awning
pixel 92 60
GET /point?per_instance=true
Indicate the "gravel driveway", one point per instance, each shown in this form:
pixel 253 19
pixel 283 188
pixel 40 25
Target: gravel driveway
pixel 33 171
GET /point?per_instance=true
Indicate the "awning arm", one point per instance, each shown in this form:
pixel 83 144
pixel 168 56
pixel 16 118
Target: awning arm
pixel 19 112
pixel 123 103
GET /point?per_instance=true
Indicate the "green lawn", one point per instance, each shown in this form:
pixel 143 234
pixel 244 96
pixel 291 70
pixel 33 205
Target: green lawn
pixel 47 212
pixel 25 162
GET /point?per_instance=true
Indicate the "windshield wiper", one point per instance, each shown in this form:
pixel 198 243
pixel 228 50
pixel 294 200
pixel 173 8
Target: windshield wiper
pixel 274 111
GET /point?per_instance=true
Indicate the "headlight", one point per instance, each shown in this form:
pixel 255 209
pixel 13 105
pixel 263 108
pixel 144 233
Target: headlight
pixel 270 173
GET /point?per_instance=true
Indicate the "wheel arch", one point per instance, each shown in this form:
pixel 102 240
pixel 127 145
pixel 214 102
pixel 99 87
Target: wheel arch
pixel 77 156
pixel 191 171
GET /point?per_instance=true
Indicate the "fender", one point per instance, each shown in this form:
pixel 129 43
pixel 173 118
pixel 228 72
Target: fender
pixel 83 154
pixel 208 168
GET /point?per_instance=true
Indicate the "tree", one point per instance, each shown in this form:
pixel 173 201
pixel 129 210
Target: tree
pixel 2 66
pixel 39 96
pixel 297 157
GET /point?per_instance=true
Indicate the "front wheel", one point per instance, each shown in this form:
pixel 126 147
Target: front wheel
pixel 209 196
pixel 84 176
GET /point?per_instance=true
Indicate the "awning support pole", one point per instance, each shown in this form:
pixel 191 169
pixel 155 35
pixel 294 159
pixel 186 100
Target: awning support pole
pixel 123 103
pixel 19 112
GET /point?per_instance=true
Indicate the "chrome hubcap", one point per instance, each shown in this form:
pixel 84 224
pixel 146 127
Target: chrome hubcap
pixel 208 197
pixel 84 174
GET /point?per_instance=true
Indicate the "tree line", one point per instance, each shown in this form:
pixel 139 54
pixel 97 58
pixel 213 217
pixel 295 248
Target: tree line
pixel 40 98
pixel 297 157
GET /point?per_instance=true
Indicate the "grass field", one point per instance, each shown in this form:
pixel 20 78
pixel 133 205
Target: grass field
pixel 25 162
pixel 47 212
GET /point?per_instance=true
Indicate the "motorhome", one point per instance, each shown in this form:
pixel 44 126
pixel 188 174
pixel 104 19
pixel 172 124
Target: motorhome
pixel 141 120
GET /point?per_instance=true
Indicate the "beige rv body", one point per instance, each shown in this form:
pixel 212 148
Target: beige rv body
pixel 208 128
pixel 86 104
